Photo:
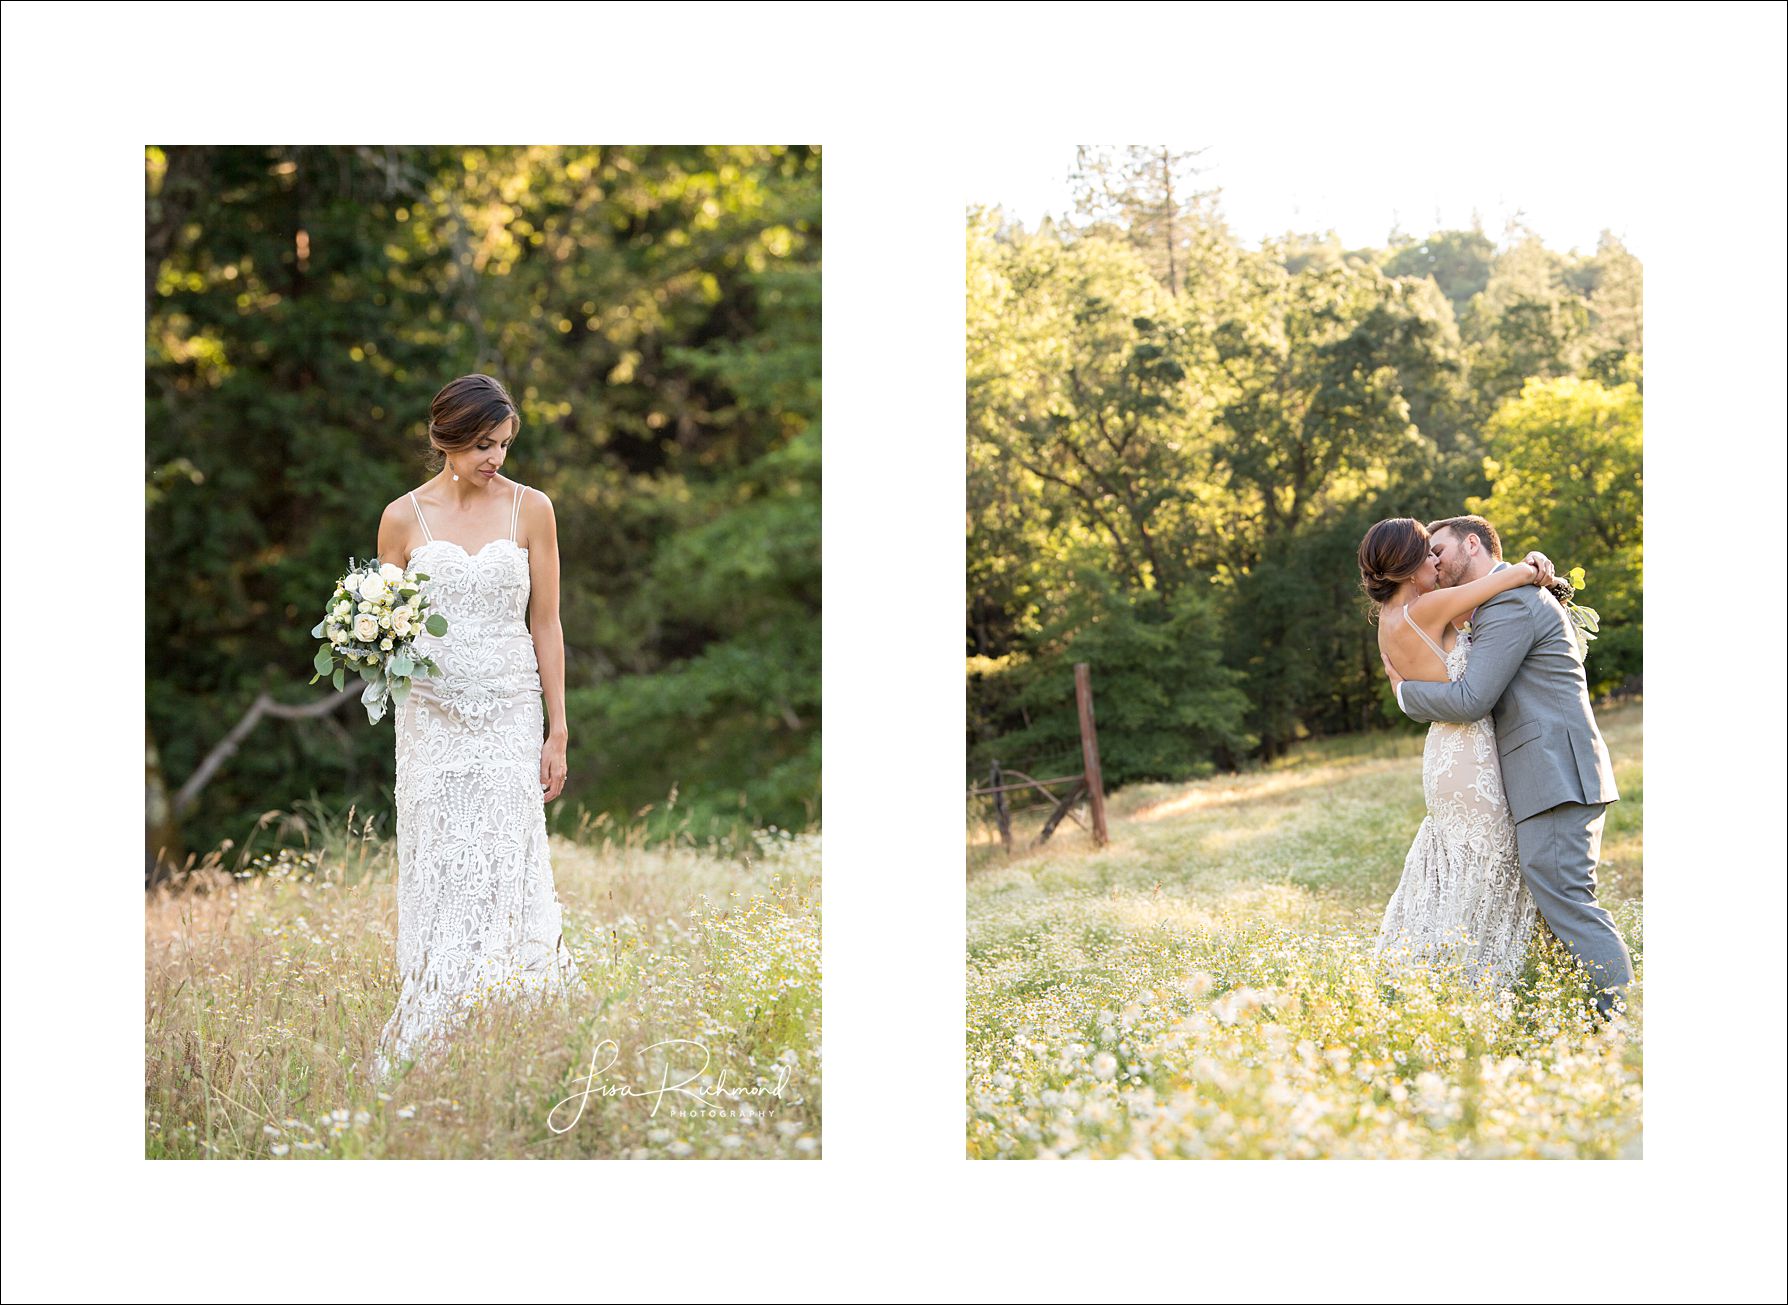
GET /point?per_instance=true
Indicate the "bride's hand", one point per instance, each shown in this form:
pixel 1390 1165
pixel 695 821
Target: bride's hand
pixel 552 768
pixel 1542 565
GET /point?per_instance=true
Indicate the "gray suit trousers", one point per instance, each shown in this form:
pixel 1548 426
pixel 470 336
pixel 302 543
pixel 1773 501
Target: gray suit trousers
pixel 1559 850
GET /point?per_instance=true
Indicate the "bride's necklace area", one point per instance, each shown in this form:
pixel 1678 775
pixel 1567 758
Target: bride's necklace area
pixel 465 513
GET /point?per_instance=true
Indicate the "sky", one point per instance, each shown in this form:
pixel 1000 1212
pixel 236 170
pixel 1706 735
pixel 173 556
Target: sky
pixel 1273 184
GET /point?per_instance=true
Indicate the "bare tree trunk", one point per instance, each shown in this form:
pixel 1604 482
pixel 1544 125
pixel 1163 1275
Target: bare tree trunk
pixel 263 705
pixel 163 823
pixel 162 832
pixel 1173 277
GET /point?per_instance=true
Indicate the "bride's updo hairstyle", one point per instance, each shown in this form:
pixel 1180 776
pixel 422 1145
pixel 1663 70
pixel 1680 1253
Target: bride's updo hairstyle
pixel 1391 553
pixel 467 409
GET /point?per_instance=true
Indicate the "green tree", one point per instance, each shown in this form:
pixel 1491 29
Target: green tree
pixel 654 311
pixel 1078 380
pixel 1167 705
pixel 1528 321
pixel 1148 196
pixel 1321 366
pixel 1130 447
pixel 1458 262
pixel 1566 461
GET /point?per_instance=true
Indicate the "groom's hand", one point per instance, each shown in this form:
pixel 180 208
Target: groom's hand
pixel 1391 671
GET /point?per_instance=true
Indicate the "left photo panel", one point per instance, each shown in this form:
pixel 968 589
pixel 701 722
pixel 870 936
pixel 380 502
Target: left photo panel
pixel 483 652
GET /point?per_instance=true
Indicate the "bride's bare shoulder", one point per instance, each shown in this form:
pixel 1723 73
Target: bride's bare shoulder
pixel 398 528
pixel 537 520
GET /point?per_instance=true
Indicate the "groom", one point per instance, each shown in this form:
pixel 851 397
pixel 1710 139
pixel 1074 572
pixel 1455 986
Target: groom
pixel 1524 670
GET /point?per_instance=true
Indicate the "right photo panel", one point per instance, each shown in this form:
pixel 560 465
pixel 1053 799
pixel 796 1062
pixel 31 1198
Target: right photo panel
pixel 1304 769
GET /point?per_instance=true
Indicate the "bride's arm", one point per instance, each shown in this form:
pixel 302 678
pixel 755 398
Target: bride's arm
pixel 542 533
pixel 1438 607
pixel 394 536
pixel 1501 638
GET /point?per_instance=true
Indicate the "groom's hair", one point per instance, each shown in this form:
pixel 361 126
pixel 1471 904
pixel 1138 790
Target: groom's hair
pixel 1468 525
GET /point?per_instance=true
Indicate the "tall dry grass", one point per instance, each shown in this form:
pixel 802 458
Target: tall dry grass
pixel 1203 986
pixel 271 974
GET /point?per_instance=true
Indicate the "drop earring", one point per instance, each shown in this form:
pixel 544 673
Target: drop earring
pixel 455 474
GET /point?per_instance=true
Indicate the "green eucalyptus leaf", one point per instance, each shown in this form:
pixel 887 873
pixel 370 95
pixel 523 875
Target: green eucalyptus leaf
pixel 324 659
pixel 437 625
pixel 373 699
pixel 339 679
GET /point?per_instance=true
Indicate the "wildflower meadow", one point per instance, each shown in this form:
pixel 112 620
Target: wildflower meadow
pixel 1204 986
pixel 269 979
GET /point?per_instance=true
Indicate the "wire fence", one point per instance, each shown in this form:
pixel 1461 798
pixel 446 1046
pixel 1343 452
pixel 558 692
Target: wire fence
pixel 1059 779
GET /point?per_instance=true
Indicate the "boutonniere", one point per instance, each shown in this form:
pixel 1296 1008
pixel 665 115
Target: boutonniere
pixel 1585 621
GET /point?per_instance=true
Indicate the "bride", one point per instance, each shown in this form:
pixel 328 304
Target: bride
pixel 477 912
pixel 1461 898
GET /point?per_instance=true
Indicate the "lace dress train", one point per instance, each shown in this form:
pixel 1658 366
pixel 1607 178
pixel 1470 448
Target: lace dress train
pixel 1461 899
pixel 478 915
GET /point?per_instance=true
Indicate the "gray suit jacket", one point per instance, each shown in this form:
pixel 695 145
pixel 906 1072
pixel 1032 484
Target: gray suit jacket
pixel 1523 670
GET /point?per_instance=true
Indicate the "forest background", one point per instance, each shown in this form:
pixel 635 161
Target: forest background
pixel 655 313
pixel 1177 438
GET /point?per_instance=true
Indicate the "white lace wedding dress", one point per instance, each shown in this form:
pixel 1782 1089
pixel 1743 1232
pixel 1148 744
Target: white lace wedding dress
pixel 1461 898
pixel 478 917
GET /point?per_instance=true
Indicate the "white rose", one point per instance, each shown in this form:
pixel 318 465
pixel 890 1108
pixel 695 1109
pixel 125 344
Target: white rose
pixel 373 587
pixel 385 620
pixel 391 572
pixel 385 643
pixel 400 622
pixel 366 628
pixel 344 609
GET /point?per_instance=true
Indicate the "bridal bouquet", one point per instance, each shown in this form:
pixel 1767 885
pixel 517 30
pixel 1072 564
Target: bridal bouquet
pixel 370 626
pixel 1585 621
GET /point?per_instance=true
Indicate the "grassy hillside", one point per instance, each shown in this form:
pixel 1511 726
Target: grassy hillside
pixel 267 988
pixel 1203 986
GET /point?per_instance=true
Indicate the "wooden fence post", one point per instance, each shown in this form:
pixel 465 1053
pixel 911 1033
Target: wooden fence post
pixel 1089 749
pixel 1061 809
pixel 999 807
